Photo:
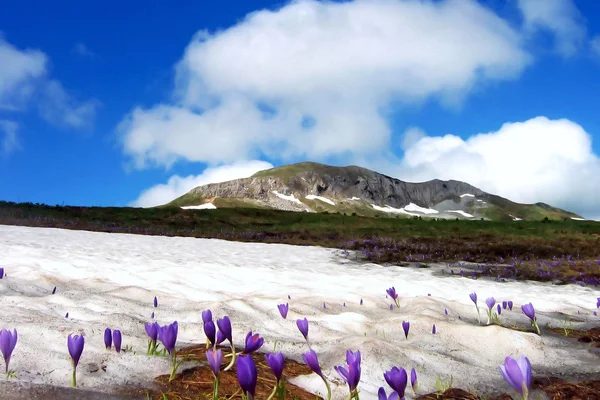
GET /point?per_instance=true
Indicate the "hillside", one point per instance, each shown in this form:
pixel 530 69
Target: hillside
pixel 313 187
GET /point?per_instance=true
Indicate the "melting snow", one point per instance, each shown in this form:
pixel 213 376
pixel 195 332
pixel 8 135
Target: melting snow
pixel 416 208
pixel 205 206
pixel 578 219
pixel 515 218
pixel 467 195
pixel 286 197
pixel 324 199
pixel 461 212
pixel 389 209
pixel 354 198
pixel 109 280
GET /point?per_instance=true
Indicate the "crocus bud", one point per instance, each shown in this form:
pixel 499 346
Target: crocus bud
pixel 108 338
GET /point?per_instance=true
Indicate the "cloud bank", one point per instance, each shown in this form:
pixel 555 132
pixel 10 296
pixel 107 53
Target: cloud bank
pixel 536 160
pixel 321 80
pixel 315 79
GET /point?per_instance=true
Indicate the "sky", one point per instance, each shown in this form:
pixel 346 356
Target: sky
pixel 134 103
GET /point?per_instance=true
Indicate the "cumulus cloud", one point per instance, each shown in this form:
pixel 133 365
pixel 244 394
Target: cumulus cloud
pixel 19 71
pixel 8 136
pixel 60 108
pixel 24 78
pixel 560 17
pixel 545 160
pixel 177 185
pixel 319 79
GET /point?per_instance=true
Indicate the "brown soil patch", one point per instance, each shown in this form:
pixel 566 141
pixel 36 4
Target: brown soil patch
pixel 591 335
pixel 197 383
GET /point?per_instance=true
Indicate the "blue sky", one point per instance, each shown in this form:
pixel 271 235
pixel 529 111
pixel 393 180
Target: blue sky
pixel 117 103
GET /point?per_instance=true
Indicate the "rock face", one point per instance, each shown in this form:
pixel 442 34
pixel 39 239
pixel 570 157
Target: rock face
pixel 340 183
pixel 317 187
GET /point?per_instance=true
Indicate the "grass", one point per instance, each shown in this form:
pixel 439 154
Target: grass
pixel 564 250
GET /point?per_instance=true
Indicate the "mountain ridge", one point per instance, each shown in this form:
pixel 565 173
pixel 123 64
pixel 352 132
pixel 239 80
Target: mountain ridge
pixel 315 187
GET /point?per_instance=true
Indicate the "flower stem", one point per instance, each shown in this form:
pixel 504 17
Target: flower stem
pixel 274 391
pixel 227 368
pixel 216 388
pixel 175 365
pixel 537 328
pixel 328 388
pixel 74 377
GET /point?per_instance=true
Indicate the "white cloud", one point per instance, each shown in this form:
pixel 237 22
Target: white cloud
pixel 561 17
pixel 177 185
pixel 8 135
pixel 24 78
pixel 60 108
pixel 249 90
pixel 82 50
pixel 19 71
pixel 537 160
pixel 595 45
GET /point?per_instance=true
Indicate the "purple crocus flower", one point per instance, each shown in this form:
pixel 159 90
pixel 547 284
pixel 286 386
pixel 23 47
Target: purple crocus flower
pixel 391 307
pixel 224 325
pixel 510 305
pixel 289 298
pixel 397 379
pixel 155 302
pixel 529 311
pixel 382 396
pixel 167 334
pixel 504 304
pixel 75 345
pixel 433 331
pixel 324 306
pixel 310 358
pixel 253 343
pixel 210 331
pixel 499 309
pixel 206 316
pixel 473 297
pixel 8 341
pixel 283 310
pixel 490 302
pixel 351 374
pixel 247 375
pixel 276 362
pixel 215 358
pixel 220 337
pixel 152 330
pixel 361 302
pixel 67 315
pixel 302 325
pixel 1 272
pixel 598 303
pixel 517 373
pixel 413 380
pixel 108 338
pixel 446 311
pixel 429 294
pixel 405 327
pixel 54 290
pixel 152 316
pixel 117 339
pixel 392 293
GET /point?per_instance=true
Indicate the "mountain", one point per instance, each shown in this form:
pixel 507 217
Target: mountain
pixel 313 187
